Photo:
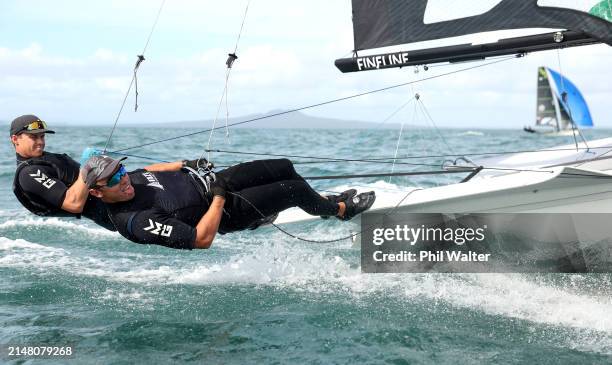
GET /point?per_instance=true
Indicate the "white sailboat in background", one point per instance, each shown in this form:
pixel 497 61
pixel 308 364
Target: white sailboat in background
pixel 576 178
pixel 561 108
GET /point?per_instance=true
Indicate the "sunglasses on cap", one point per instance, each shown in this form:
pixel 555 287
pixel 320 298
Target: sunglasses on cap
pixel 39 124
pixel 115 179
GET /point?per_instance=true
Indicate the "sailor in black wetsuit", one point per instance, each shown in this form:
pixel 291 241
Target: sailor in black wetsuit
pixel 48 184
pixel 167 205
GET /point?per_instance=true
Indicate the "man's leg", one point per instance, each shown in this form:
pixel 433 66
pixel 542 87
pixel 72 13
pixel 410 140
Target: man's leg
pixel 269 199
pixel 259 172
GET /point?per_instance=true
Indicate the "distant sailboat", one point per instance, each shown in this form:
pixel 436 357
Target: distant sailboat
pixel 560 106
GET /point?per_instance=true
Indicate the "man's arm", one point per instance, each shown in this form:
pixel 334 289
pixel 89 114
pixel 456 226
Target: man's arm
pixel 165 166
pixel 37 180
pixel 177 165
pixel 160 228
pixel 76 196
pixel 208 226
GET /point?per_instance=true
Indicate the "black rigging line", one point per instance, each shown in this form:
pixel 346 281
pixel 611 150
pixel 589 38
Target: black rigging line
pixel 232 57
pixel 320 159
pixel 569 109
pixel 455 170
pixel 134 77
pixel 323 159
pixel 426 113
pixel 385 174
pixel 327 159
pixel 396 111
pixel 351 236
pixel 139 156
pixel 317 104
pixel 382 160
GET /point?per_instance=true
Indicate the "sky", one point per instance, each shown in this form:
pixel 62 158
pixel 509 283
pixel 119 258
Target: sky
pixel 72 62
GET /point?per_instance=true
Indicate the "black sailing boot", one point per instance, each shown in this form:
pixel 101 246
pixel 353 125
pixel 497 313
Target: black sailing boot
pixel 337 198
pixel 358 204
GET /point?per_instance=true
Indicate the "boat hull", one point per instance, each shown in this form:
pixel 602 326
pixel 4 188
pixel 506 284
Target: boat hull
pixel 569 190
pixel 553 190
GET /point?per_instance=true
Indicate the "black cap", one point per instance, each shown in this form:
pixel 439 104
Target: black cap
pixel 18 125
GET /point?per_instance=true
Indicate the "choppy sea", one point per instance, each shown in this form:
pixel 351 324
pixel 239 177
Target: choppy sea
pixel 263 297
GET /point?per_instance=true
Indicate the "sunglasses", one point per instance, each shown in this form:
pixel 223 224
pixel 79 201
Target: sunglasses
pixel 115 179
pixel 39 124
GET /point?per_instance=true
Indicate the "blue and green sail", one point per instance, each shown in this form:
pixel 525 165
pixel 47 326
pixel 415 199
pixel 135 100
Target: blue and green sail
pixel 574 104
pixel 556 110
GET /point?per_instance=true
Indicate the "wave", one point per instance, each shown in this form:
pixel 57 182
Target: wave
pixel 387 194
pixel 20 253
pixel 57 223
pixel 271 259
pixel 16 211
pixel 8 244
pixel 471 133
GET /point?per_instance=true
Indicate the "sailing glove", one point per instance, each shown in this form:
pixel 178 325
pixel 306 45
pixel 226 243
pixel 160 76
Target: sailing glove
pixel 201 163
pixel 218 187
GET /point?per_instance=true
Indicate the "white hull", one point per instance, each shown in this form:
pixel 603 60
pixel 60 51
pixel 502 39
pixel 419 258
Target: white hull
pixel 584 191
pixel 561 133
pixel 561 181
pixel 564 133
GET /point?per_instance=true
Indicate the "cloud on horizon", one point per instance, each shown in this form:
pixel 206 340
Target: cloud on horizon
pixel 285 61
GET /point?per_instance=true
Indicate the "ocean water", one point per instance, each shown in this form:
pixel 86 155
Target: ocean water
pixel 263 297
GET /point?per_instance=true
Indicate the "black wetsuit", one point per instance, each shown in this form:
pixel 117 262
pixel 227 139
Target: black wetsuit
pixel 41 183
pixel 168 205
pixel 271 186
